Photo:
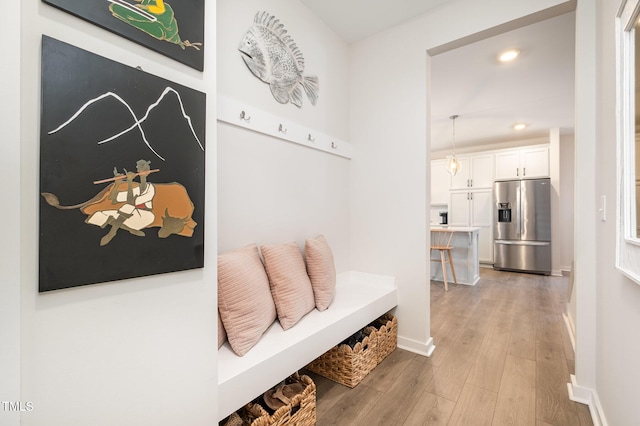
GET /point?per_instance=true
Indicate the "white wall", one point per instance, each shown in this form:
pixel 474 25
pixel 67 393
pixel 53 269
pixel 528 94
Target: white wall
pixel 587 117
pixel 617 298
pixel 139 351
pixel 270 190
pixel 10 245
pixel 389 114
pixel 556 194
pixel 567 195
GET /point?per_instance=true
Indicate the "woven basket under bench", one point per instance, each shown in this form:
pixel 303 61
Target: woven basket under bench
pixel 346 365
pixel 387 336
pixel 301 410
pixel 349 366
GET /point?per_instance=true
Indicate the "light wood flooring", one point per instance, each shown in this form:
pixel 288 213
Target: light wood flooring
pixel 503 357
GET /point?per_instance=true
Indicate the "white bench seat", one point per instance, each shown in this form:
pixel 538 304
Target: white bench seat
pixel 360 298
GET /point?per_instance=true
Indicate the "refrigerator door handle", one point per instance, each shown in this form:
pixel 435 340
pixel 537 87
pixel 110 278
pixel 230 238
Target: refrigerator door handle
pixel 522 243
pixel 518 211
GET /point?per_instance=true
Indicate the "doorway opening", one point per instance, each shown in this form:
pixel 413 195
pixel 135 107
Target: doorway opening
pixel 490 98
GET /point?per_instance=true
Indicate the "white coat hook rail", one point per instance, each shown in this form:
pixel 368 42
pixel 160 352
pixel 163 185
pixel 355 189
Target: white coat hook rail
pixel 261 121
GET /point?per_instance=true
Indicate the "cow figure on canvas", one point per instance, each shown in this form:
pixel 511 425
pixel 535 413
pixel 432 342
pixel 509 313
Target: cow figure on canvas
pixel 134 206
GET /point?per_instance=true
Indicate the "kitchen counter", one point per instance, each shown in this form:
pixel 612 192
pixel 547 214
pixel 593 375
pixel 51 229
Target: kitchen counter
pixel 454 228
pixel 464 255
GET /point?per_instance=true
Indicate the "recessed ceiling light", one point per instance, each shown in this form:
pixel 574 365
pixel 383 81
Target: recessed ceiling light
pixel 519 126
pixel 509 55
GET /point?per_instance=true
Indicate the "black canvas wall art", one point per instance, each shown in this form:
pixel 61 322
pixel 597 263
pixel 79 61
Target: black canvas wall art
pixel 121 171
pixel 174 28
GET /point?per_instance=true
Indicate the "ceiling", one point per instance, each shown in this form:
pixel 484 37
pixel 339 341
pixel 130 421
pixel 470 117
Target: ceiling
pixel 536 89
pixel 489 97
pixel 354 20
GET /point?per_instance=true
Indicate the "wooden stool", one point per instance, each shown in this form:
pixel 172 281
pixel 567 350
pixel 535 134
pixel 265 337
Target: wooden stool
pixel 441 241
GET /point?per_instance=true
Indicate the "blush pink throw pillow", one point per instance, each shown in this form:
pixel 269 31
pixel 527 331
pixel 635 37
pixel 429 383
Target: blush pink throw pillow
pixel 321 270
pixel 244 298
pixel 290 285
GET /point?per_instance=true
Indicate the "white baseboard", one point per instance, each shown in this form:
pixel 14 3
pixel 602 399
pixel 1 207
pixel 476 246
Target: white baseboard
pixel 588 397
pixel 582 394
pixel 556 273
pixel 424 349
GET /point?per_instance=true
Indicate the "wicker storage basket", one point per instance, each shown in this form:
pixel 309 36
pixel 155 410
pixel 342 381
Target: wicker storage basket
pixel 301 411
pixel 249 415
pixel 387 336
pixel 345 365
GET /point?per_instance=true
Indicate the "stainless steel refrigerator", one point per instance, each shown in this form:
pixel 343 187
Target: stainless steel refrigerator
pixel 522 226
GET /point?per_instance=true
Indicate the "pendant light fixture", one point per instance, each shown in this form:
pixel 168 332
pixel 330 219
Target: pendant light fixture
pixel 453 165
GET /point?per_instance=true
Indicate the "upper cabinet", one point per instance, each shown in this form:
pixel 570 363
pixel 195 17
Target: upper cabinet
pixel 439 182
pixel 531 162
pixel 476 171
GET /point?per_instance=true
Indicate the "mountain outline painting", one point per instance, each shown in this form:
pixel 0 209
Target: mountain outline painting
pixel 174 28
pixel 122 157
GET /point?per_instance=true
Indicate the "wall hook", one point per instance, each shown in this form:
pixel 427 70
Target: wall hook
pixel 244 116
pixel 334 145
pixel 282 129
pixel 311 138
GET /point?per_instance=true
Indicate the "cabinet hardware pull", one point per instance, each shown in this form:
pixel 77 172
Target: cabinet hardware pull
pixel 471 183
pixel 517 172
pixel 524 171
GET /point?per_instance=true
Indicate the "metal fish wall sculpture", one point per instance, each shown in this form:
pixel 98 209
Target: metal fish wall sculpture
pixel 274 58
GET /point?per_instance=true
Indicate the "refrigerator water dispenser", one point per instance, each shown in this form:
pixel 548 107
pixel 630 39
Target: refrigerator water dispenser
pixel 504 212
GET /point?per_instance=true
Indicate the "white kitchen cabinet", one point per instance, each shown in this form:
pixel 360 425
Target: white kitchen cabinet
pixel 459 209
pixel 439 182
pixel 474 208
pixel 508 165
pixel 535 162
pixel 476 171
pixel 530 162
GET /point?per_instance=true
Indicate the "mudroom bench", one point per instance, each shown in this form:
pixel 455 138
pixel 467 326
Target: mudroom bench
pixel 359 299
